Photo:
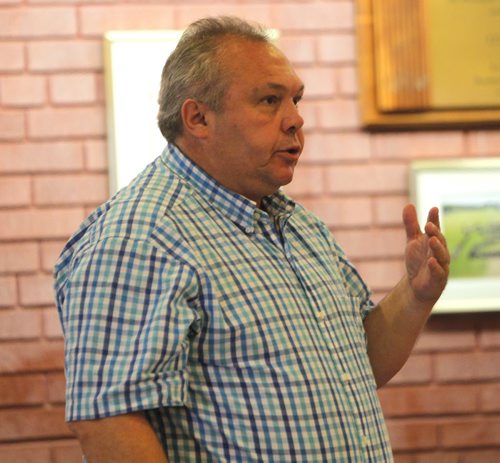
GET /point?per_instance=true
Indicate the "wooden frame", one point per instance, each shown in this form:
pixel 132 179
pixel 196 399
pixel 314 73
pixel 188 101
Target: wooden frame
pixel 413 28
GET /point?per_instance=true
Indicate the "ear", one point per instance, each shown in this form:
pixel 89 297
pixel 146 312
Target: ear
pixel 193 115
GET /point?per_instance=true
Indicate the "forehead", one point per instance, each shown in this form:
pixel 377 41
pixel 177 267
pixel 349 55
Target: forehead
pixel 256 65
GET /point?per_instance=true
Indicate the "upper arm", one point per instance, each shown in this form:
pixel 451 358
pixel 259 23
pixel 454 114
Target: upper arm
pixel 128 313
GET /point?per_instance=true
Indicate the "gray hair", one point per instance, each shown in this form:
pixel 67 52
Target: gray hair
pixel 194 69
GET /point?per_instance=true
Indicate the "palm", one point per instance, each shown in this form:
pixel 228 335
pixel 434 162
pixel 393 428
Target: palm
pixel 426 262
pixel 417 256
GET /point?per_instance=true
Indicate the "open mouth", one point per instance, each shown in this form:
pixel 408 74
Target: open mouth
pixel 294 150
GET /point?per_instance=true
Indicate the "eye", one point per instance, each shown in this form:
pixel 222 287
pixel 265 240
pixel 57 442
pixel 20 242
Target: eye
pixel 297 99
pixel 271 100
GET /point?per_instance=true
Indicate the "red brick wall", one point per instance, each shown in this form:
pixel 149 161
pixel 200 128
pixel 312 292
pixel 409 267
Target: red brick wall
pixel 444 406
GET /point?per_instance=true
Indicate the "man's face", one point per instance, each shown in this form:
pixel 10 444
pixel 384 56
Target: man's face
pixel 256 140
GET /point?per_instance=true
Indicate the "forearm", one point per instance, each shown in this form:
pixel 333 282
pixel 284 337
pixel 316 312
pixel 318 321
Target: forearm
pixel 125 438
pixel 392 329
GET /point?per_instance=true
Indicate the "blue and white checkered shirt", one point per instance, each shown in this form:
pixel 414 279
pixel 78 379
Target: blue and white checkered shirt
pixel 238 330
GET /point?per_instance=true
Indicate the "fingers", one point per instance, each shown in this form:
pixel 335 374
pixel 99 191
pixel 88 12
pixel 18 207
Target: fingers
pixel 433 216
pixel 440 251
pixel 432 227
pixel 411 222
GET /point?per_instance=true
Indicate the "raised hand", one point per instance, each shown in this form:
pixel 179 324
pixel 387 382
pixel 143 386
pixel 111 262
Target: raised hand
pixel 426 255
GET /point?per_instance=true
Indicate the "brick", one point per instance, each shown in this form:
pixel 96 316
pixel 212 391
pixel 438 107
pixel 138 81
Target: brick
pixel 67 453
pixel 336 48
pixel 23 90
pixel 12 125
pixel 471 432
pixel 341 212
pixel 96 156
pixel 382 274
pixel 340 113
pixel 445 334
pixel 66 122
pixel 37 22
pixel 489 333
pixel 24 424
pixel 25 453
pixel 96 20
pixel 411 435
pixel 39 223
pixel 425 400
pixel 8 291
pixel 299 49
pixel 347 81
pixel 19 257
pixel 56 383
pixel 467 366
pixel 71 55
pixel 308 180
pixel 319 82
pixel 70 189
pixel 31 356
pixel 409 145
pixel 417 370
pixel 367 178
pixel 480 456
pixel 11 56
pixel 51 324
pixel 10 2
pixel 307 110
pixel 485 143
pixel 320 16
pixel 36 290
pixel 73 88
pixel 333 147
pixel 100 88
pixel 20 324
pixel 437 457
pixel 50 251
pixel 41 157
pixel 69 2
pixel 490 398
pixel 22 390
pixel 388 210
pixel 15 191
pixel 186 14
pixel 371 244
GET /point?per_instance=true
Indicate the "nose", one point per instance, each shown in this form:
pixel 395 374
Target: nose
pixel 292 120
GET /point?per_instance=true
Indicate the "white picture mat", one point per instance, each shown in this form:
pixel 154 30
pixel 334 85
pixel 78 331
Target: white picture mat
pixel 133 64
pixel 466 182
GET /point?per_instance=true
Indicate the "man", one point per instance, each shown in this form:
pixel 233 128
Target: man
pixel 207 316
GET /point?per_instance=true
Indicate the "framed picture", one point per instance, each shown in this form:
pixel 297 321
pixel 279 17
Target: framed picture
pixel 428 63
pixel 467 192
pixel 133 62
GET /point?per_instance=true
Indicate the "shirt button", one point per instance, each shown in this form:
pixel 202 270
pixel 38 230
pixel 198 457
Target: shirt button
pixel 249 230
pixel 321 316
pixel 345 377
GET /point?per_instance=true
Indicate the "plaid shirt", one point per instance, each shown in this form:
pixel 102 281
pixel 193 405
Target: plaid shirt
pixel 238 330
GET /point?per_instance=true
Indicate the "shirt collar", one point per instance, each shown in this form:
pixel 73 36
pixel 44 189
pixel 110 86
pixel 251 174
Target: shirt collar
pixel 237 208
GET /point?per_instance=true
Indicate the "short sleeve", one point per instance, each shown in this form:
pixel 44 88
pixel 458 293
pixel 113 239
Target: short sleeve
pixel 128 313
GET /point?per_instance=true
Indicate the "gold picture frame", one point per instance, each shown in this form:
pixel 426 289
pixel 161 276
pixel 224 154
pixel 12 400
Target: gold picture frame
pixel 394 74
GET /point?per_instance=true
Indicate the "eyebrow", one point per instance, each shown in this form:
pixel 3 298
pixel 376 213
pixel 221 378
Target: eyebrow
pixel 278 87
